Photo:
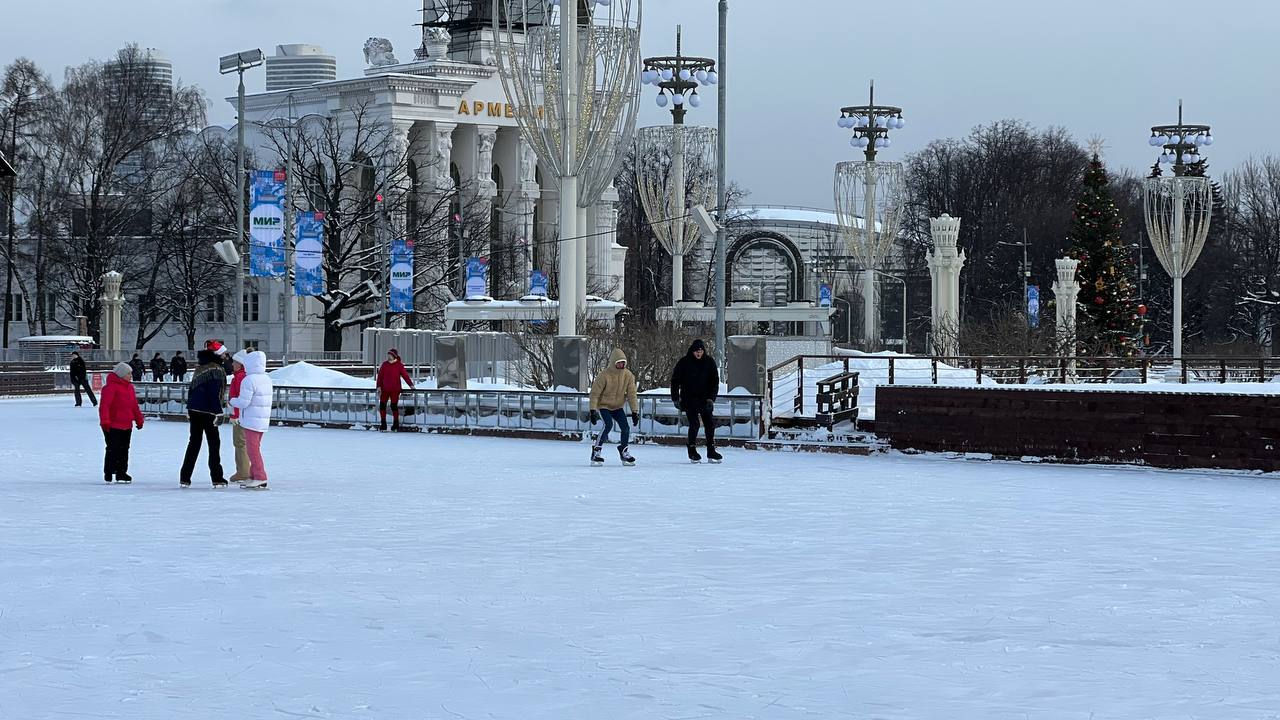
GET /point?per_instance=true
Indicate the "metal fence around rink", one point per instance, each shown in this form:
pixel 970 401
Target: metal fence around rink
pixel 738 416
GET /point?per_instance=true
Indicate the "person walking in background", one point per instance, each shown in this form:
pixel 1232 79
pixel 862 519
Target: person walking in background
pixel 613 389
pixel 205 398
pixel 254 403
pixel 118 414
pixel 138 367
pixel 178 367
pixel 80 378
pixel 237 430
pixel 695 385
pixel 158 368
pixel 390 373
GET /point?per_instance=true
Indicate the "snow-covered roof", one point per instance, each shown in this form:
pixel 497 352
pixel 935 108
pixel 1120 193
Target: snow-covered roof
pixel 787 213
pixel 56 338
pixel 792 214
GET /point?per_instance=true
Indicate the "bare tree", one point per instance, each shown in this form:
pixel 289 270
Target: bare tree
pixel 114 128
pixel 23 94
pixel 354 167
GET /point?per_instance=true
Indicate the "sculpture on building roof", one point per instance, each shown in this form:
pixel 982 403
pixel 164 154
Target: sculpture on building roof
pixel 378 52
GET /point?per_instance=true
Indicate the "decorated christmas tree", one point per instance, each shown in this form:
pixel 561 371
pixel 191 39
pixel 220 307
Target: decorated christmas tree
pixel 1108 305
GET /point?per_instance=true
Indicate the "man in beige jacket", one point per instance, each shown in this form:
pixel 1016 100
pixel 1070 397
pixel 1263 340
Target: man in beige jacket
pixel 612 391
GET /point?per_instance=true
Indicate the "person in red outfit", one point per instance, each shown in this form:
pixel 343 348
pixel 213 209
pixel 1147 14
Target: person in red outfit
pixel 390 373
pixel 118 414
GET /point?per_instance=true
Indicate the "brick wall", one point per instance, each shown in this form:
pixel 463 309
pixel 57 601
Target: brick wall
pixel 1174 430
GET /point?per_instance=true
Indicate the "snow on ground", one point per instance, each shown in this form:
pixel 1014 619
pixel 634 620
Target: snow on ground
pixel 303 374
pixel 411 576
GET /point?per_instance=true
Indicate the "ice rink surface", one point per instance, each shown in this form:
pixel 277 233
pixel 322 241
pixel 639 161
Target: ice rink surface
pixel 410 576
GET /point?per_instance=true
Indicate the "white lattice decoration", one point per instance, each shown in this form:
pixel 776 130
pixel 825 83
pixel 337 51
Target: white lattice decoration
pixel 656 178
pixel 528 57
pixel 869 191
pixel 1178 211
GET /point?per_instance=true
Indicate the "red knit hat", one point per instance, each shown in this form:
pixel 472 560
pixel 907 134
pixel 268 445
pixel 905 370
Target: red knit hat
pixel 393 353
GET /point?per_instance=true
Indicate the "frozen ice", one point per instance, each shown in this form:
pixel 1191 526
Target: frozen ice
pixel 423 576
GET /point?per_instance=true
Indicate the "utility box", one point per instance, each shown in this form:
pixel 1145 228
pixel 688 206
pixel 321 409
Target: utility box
pixel 745 358
pixel 569 363
pixel 451 361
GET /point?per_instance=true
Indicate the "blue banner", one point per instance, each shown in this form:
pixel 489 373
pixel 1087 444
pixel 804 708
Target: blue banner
pixel 308 275
pixel 1033 306
pixel 538 283
pixel 824 295
pixel 477 277
pixel 401 276
pixel 266 224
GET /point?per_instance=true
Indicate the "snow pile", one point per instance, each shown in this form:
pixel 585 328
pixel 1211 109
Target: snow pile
pixel 873 370
pixel 307 375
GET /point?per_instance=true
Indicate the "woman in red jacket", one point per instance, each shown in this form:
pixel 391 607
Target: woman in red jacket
pixel 390 373
pixel 118 414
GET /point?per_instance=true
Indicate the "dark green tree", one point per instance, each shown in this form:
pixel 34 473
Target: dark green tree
pixel 1108 277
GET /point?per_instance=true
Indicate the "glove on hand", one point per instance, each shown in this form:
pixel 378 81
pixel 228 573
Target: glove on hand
pixel 595 416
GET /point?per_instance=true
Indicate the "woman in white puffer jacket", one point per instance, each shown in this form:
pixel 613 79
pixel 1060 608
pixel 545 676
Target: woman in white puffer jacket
pixel 254 404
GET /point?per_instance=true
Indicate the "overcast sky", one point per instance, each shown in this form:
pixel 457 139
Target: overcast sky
pixel 1110 68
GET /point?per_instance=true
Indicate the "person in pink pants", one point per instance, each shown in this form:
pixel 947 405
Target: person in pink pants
pixel 254 404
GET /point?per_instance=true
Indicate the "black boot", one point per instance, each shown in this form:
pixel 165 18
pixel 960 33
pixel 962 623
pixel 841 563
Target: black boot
pixel 123 478
pixel 693 455
pixel 107 477
pixel 383 426
pixel 596 457
pixel 625 456
pixel 712 455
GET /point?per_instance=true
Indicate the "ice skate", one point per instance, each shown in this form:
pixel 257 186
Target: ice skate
pixel 184 483
pixel 714 456
pixel 625 456
pixel 123 479
pixel 108 478
pixel 219 484
pixel 596 458
pixel 253 485
pixel 694 457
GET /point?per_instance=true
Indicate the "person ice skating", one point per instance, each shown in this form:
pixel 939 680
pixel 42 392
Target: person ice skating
pixel 237 430
pixel 138 367
pixel 178 367
pixel 614 388
pixel 254 403
pixel 118 414
pixel 390 373
pixel 224 356
pixel 80 379
pixel 159 368
pixel 695 385
pixel 205 398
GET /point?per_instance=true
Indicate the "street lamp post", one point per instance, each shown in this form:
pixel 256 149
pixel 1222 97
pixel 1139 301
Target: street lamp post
pixel 722 188
pixel 1179 208
pixel 238 63
pixel 873 189
pixel 677 78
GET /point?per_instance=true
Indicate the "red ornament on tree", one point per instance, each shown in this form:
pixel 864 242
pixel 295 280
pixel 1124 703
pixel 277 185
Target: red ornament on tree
pixel 1142 309
pixel 1098 300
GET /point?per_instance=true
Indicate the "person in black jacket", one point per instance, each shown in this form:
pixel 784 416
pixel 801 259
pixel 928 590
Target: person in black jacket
pixel 138 366
pixel 158 368
pixel 695 385
pixel 206 398
pixel 178 367
pixel 80 378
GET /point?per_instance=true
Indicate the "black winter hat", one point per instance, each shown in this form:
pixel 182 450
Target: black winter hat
pixel 697 345
pixel 206 357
